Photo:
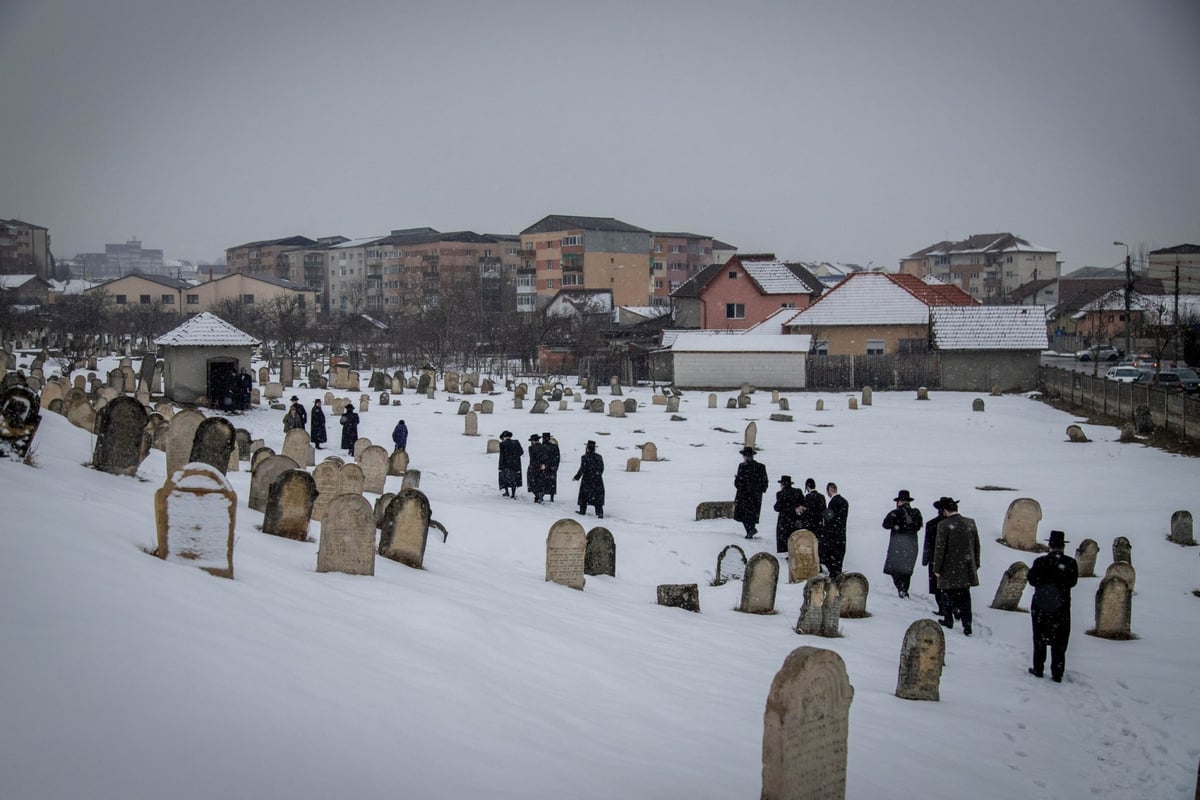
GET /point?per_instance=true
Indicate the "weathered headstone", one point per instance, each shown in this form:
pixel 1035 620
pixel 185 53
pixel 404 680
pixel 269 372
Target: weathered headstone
pixel 471 424
pixel 487 407
pixel 852 403
pixel 258 454
pixel 783 404
pixel 1114 608
pixel 922 393
pixel 273 391
pixel 922 655
pixel 714 509
pixel 760 584
pixel 412 479
pixel 213 443
pixel 812 612
pixel 1012 585
pixel 1021 524
pixel 195 511
pixel 649 451
pixel 805 728
pixel 298 447
pixel 350 479
pixel 600 555
pixel 347 537
pixel 977 404
pixel 831 610
pixel 263 476
pixel 81 414
pixel 20 416
pixel 540 406
pixel 722 575
pixel 327 482
pixel 712 401
pixel 1122 550
pixel 404 539
pixel 750 439
pixel 820 405
pixel 633 464
pixel 1076 434
pixel 566 548
pixel 290 504
pixel 867 395
pixel 374 464
pixel 679 595
pixel 121 439
pixel 804 557
pixel 360 444
pixel 1181 528
pixel 616 409
pixel 398 462
pixel 181 437
pixel 672 404
pixel 241 440
pixel 1085 555
pixel 853 588
pixel 1123 570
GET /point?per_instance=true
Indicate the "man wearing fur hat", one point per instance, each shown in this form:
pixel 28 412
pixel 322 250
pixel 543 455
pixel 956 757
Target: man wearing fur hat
pixel 1052 577
pixel 750 482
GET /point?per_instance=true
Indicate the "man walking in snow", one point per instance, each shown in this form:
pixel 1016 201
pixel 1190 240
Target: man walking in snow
pixel 750 483
pixel 956 563
pixel 1052 577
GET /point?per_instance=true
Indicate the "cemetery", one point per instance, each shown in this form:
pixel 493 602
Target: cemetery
pixel 548 636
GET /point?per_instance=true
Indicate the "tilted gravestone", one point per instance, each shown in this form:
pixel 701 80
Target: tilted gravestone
pixel 922 654
pixel 805 728
pixel 1076 434
pixel 464 407
pixel 1181 528
pixel 404 539
pixel 812 611
pixel 374 464
pixel 20 416
pixel 736 573
pixel 1021 524
pixel 213 443
pixel 804 557
pixel 854 588
pixel 679 595
pixel 1122 550
pixel 398 462
pixel 290 504
pixel 1125 571
pixel 1085 555
pixel 1114 607
pixel 326 480
pixel 600 554
pixel 121 439
pixel 566 548
pixel 347 537
pixel 195 511
pixel 181 437
pixel 1012 585
pixel 760 584
pixel 263 476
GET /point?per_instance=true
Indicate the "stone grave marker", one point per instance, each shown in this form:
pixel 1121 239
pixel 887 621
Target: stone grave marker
pixel 1012 585
pixel 412 479
pixel 1122 550
pixel 1086 554
pixel 50 392
pixel 273 391
pixel 20 416
pixel 977 404
pixel 750 438
pixel 360 444
pixel 820 405
pixel 1181 528
pixel 381 507
pixel 398 462
pixel 566 553
pixel 743 401
pixel 595 405
pixel 867 395
pixel 673 404
pixel 853 403
pixel 922 654
pixel 783 404
pixel 263 476
pixel 212 443
pixel 712 401
pixel 649 451
pixel 195 511
pixel 121 439
pixel 404 539
pixel 487 407
pixel 616 409
pixel 812 612
pixel 181 437
pixel 831 610
pixel 1076 434
pixel 922 393
pixel 326 481
pixel 82 415
pixel 352 382
pixel 658 400
pixel 722 576
pixel 1021 524
pixel 347 537
pixel 600 553
pixel 714 509
pixel 1114 608
pixel 679 595
pixel 805 728
pixel 264 376
pixel 493 447
pixel 471 424
pixel 1123 570
pixel 257 455
pixel 804 557
pixel 630 405
pixel 350 479
pixel 374 464
pixel 540 406
pixel 633 464
pixel 853 588
pixel 760 584
pixel 289 505
pixel 364 404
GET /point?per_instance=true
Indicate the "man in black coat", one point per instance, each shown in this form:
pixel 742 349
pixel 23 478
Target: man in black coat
pixel 787 502
pixel 533 473
pixel 509 465
pixel 349 422
pixel 832 545
pixel 551 458
pixel 927 548
pixel 301 414
pixel 750 482
pixel 812 516
pixel 905 523
pixel 591 481
pixel 956 563
pixel 1052 577
pixel 317 434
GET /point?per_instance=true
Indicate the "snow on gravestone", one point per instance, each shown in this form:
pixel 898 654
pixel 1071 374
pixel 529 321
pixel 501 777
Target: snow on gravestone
pixel 195 511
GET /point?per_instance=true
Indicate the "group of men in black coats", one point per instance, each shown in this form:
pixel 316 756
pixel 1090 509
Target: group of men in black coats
pixel 541 476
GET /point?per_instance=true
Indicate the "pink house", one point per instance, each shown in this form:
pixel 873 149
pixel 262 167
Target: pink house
pixel 747 290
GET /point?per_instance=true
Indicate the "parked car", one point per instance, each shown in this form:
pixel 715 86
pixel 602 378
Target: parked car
pixel 1163 380
pixel 1187 377
pixel 1100 352
pixel 1123 374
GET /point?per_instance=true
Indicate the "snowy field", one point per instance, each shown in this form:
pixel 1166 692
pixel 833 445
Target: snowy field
pixel 127 677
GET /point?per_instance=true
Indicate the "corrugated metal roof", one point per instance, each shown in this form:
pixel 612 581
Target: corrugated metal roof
pixel 989 327
pixel 696 342
pixel 206 329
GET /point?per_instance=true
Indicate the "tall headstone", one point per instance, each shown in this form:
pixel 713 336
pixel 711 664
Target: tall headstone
pixel 326 481
pixel 290 504
pixel 398 462
pixel 347 537
pixel 374 463
pixel 812 611
pixel 263 476
pixel 1114 608
pixel 195 511
pixel 566 551
pixel 404 539
pixel 750 439
pixel 1021 524
pixel 759 585
pixel 350 479
pixel 298 447
pixel 600 555
pixel 673 404
pixel 922 654
pixel 471 424
pixel 867 395
pixel 831 610
pixel 853 588
pixel 121 439
pixel 1012 585
pixel 1122 550
pixel 1181 528
pixel 20 416
pixel 804 557
pixel 805 728
pixel 1123 570
pixel 213 443
pixel 241 440
pixel 1085 555
pixel 712 401
pixel 181 437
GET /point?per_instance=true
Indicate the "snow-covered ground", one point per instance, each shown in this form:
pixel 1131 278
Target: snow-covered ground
pixel 123 676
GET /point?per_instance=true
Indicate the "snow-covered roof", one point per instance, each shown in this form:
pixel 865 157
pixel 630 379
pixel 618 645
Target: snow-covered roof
pixel 772 325
pixel 649 312
pixel 988 327
pixel 206 329
pixel 1162 305
pixel 698 342
pixel 73 286
pixel 15 281
pixel 671 334
pixel 774 277
pixel 864 298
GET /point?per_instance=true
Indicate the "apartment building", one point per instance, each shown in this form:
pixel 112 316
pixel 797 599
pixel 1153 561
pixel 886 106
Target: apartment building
pixel 1179 264
pixel 266 256
pixel 674 259
pixel 987 266
pixel 25 249
pixel 567 252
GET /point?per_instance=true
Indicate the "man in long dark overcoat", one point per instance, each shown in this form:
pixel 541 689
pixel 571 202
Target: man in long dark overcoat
pixel 812 516
pixel 1052 577
pixel 533 473
pixel 905 523
pixel 591 480
pixel 750 483
pixel 551 458
pixel 509 465
pixel 787 502
pixel 956 563
pixel 316 420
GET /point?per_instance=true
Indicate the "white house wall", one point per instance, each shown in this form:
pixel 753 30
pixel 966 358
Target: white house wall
pixel 730 370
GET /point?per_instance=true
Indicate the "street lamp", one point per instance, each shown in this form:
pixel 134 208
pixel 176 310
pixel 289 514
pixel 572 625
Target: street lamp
pixel 1128 290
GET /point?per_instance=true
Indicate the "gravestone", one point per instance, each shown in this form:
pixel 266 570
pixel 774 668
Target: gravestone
pixel 398 462
pixel 352 382
pixel 374 464
pixel 614 385
pixel 672 404
pixel 805 728
pixel 287 374
pixel 263 476
pixel 181 437
pixel 273 391
pixel 649 451
pixel 385 399
pixel 922 393
pixel 600 553
pixel 1021 524
pixel 1085 555
pixel 467 387
pixel 1122 550
pixel 783 404
pixel 750 439
pixel 595 405
pixel 781 418
pixel 723 576
pixel 121 439
pixel 679 595
pixel 714 509
pixel 464 406
pixel 633 464
pixel 195 512
pixel 658 400
pixel 977 404
pixel 347 537
pixel 20 416
pixel 255 396
pixel 360 444
pixel 630 405
pixel 922 654
pixel 487 407
pixel 1076 434
pixel 364 404
pixel 1123 570
pixel 289 505
pixel 297 446
pixel 404 539
pixel 712 401
pixel 424 382
pixel 471 424
pixel 50 392
pixel 241 440
pixel 867 395
pixel 350 479
pixel 540 406
pixel 831 610
pixel 820 405
pixel 412 479
pixel 760 584
pixel 566 549
pixel 264 376
pixel 616 409
pixel 1012 585
pixel 804 557
pixel 493 447
pixel 488 386
pixel 81 415
pixel 1181 528
pixel 743 401
pixel 518 403
pixel 853 588
pixel 212 443
pixel 1114 608
pixel 326 481
pixel 257 455
pixel 852 403
pixel 381 507
pixel 812 612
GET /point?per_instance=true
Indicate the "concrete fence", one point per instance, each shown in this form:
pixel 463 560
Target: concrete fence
pixel 1173 411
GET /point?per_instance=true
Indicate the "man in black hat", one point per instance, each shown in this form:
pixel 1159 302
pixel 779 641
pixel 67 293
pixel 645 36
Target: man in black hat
pixel 1052 577
pixel 533 473
pixel 509 465
pixel 812 512
pixel 788 502
pixel 551 458
pixel 904 522
pixel 591 480
pixel 300 412
pixel 927 548
pixel 956 564
pixel 750 482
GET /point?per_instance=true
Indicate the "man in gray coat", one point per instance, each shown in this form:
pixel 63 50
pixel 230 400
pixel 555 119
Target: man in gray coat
pixel 956 563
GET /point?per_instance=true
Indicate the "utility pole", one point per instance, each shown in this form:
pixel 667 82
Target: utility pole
pixel 1128 292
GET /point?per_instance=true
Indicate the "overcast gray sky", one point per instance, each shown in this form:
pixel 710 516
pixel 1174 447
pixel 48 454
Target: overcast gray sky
pixel 843 131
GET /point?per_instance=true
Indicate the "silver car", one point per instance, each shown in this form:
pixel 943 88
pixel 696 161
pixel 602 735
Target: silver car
pixel 1123 374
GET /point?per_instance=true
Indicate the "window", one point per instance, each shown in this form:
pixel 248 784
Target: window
pixel 572 280
pixel 248 299
pixel 525 302
pixel 676 266
pixel 571 241
pixel 821 347
pixel 787 305
pixel 676 248
pixel 549 283
pixel 733 275
pixel 193 299
pixel 735 310
pixel 675 285
pixel 874 347
pixel 120 299
pixel 657 266
pixel 144 299
pixel 658 284
pixel 168 299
